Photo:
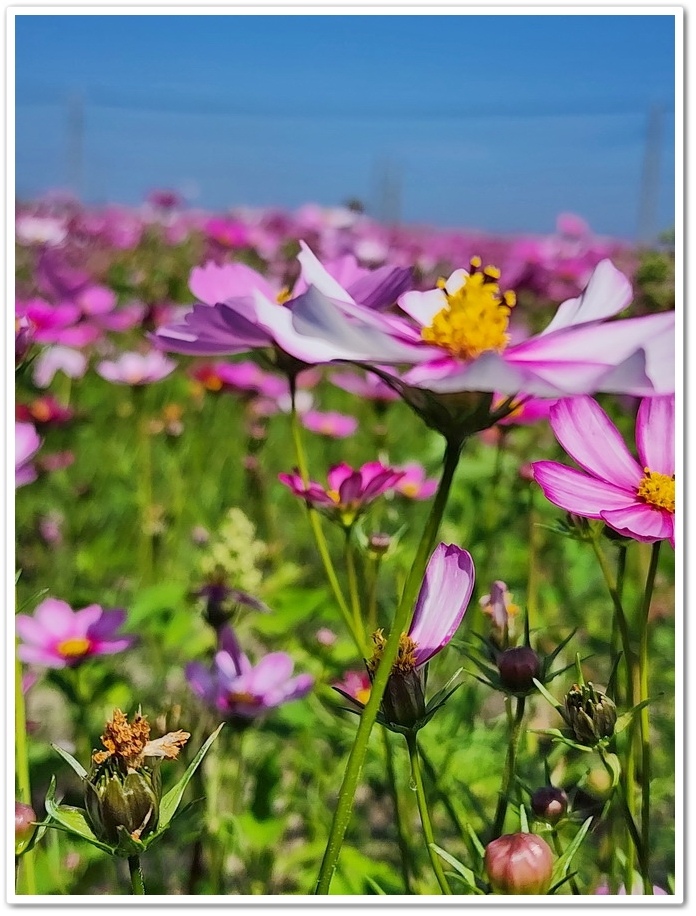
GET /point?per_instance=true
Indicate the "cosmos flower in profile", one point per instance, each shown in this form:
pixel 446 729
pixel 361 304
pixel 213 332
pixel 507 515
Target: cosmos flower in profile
pixel 136 368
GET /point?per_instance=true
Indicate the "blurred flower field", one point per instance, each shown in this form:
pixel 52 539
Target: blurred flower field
pixel 304 474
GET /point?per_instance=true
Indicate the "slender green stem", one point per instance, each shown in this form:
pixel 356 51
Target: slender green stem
pixel 27 871
pixel 646 772
pixel 425 814
pixel 629 768
pixel 374 567
pixel 317 531
pixel 136 874
pixel 533 568
pixel 628 813
pixel 398 818
pixel 400 625
pixel 515 724
pixel 620 618
pixel 353 590
pixel 144 490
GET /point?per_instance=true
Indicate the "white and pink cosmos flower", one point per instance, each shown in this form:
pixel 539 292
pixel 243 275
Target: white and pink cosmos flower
pixel 136 368
pixel 635 498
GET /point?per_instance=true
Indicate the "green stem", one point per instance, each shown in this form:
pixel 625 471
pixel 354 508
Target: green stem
pixel 515 725
pixel 317 531
pixel 629 769
pixel 628 814
pixel 144 486
pixel 646 773
pixel 353 591
pixel 398 819
pixel 374 567
pixel 400 625
pixel 620 618
pixel 424 813
pixel 136 874
pixel 26 870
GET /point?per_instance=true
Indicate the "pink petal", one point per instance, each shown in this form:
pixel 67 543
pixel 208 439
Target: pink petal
pixel 338 474
pixel 577 493
pixel 30 630
pixel 33 655
pixel 641 521
pixel 607 293
pixel 271 672
pixel 57 618
pixel 655 434
pixel 315 274
pixel 590 438
pixel 213 283
pixel 442 600
pixel 88 617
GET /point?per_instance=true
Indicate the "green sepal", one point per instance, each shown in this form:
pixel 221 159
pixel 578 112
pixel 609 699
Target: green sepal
pixel 72 819
pixel 25 846
pixel 624 720
pixel 128 845
pixel 70 760
pixel 547 696
pixel 564 739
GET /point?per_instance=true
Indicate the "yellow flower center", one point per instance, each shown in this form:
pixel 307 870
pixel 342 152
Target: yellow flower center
pixel 475 317
pixel 405 658
pixel 242 696
pixel 334 495
pixel 74 648
pixel 409 489
pixel 283 295
pixel 657 490
pixel 363 695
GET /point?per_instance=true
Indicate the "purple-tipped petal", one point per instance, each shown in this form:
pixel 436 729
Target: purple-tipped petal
pixel 107 624
pixel 201 681
pixel 655 434
pixel 442 600
pixel 231 647
pixel 111 646
pixel 577 493
pixel 380 288
pixel 588 435
pixel 88 617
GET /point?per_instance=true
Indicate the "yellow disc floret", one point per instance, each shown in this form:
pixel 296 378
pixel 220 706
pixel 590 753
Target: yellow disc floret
pixel 406 657
pixel 657 490
pixel 74 648
pixel 475 317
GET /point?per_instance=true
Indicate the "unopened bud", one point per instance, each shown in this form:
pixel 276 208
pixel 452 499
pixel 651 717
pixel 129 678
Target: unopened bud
pixel 549 803
pixel 24 826
pixel 590 713
pixel 518 667
pixel 519 863
pixel 132 802
pixel 379 543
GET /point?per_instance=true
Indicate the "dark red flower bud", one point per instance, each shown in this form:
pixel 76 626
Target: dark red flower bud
pixel 519 863
pixel 550 803
pixel 25 820
pixel 518 667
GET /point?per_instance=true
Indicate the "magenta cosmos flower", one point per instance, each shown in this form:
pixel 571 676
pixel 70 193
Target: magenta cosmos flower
pixel 58 637
pixel 27 443
pixel 440 607
pixel 136 368
pixel 329 423
pixel 414 484
pixel 635 498
pixel 235 687
pixel 350 491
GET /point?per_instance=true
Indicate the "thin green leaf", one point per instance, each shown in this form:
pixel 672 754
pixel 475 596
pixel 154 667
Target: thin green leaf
pixel 551 657
pixel 466 873
pixel 375 887
pixel 524 822
pixel 22 848
pixel 72 819
pixel 475 840
pixel 438 697
pixel 547 696
pixel 625 720
pixel 171 800
pixel 70 760
pixel 562 864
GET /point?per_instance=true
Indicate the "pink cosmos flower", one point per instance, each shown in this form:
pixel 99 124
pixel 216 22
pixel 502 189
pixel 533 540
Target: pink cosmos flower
pixel 635 498
pixel 356 684
pixel 58 359
pixel 414 484
pixel 350 491
pixel 235 687
pixel 27 443
pixel 329 423
pixel 136 368
pixel 368 386
pixel 58 637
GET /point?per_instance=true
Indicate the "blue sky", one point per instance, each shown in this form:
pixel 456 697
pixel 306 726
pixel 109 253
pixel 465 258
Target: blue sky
pixel 490 122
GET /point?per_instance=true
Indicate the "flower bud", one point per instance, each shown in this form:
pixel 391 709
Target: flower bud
pixel 379 543
pixel 115 800
pixel 519 863
pixel 590 713
pixel 549 803
pixel 518 667
pixel 24 826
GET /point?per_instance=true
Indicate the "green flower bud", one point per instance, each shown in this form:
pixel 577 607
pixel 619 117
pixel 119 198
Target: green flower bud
pixel 590 714
pixel 131 800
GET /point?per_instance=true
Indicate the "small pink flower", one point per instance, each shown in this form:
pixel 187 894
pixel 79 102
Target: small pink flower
pixel 329 423
pixel 27 443
pixel 136 368
pixel 350 491
pixel 414 484
pixel 58 637
pixel 356 685
pixel 325 636
pixel 637 500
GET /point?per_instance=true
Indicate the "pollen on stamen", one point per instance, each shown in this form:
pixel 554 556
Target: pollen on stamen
pixel 657 490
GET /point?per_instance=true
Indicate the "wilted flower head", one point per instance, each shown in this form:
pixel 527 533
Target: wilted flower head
pixel 124 787
pixel 58 637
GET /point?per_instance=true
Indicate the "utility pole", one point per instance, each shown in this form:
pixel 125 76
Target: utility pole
pixel 650 181
pixel 76 141
pixel 388 209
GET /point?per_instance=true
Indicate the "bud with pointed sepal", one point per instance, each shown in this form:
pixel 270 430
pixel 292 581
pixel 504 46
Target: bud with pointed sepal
pixel 519 863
